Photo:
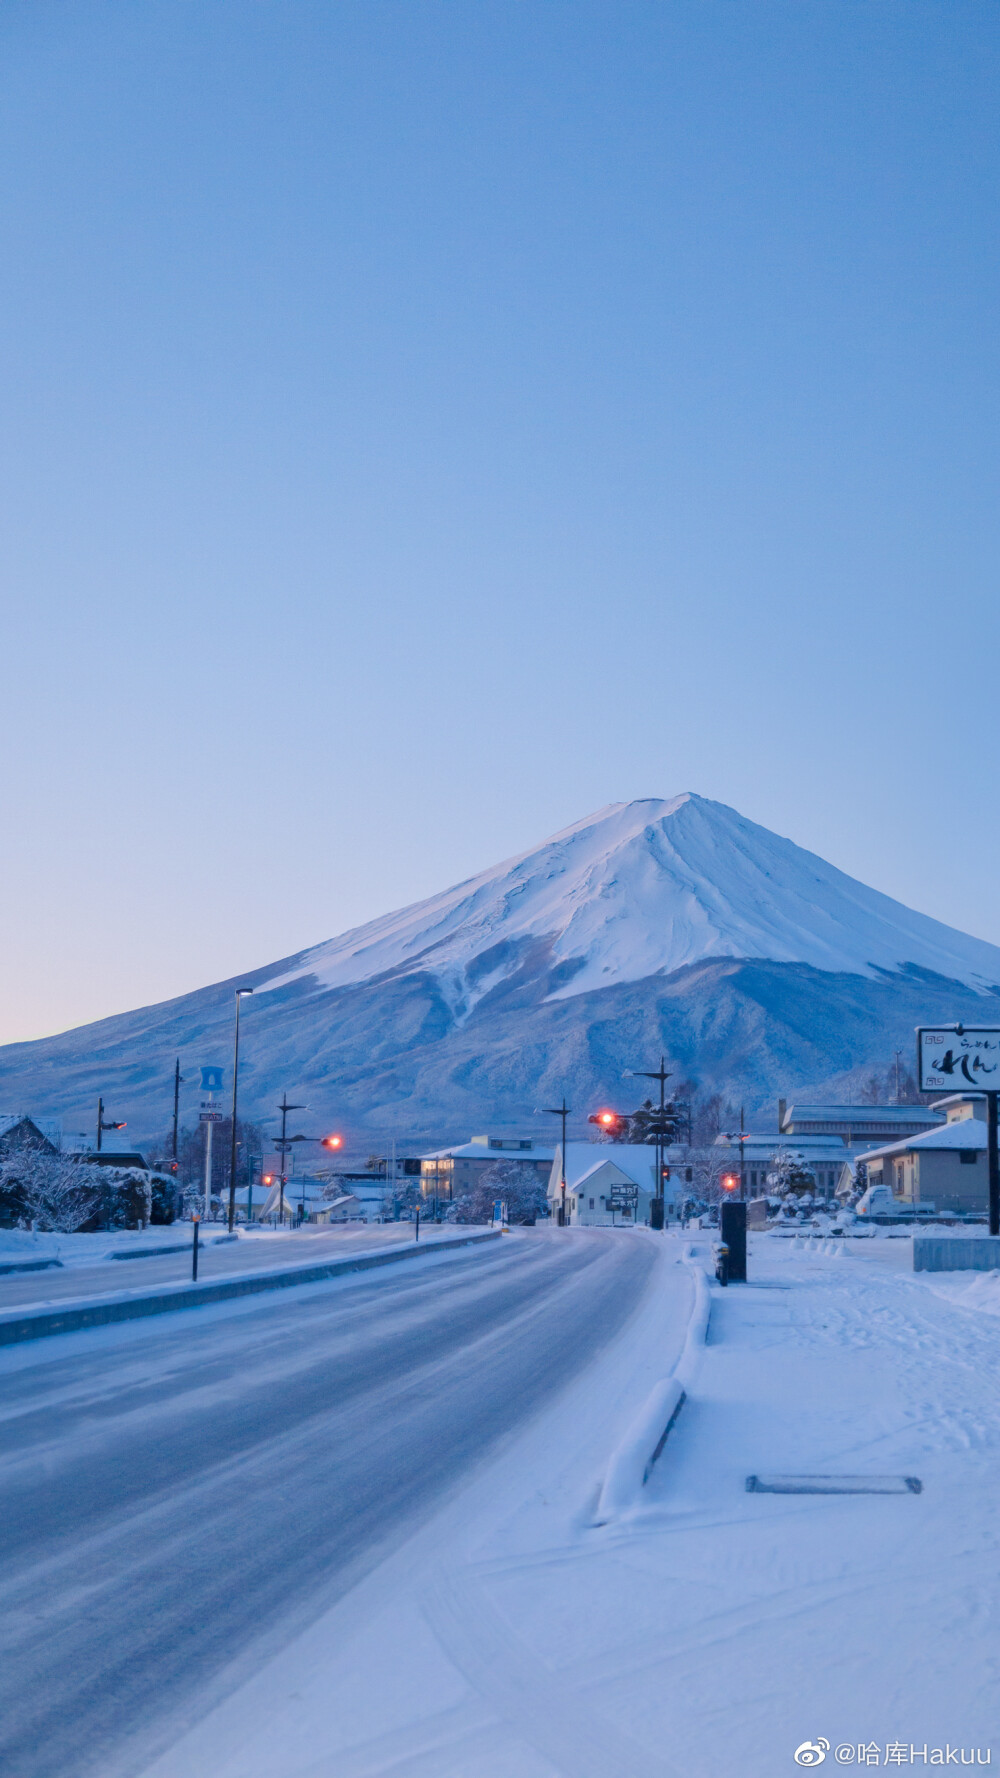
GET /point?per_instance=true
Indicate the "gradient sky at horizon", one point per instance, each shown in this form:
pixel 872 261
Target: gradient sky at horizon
pixel 426 423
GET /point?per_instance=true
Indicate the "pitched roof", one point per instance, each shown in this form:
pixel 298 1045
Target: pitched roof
pixel 967 1132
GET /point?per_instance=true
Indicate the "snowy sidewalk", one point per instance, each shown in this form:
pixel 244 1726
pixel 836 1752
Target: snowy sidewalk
pixel 716 1631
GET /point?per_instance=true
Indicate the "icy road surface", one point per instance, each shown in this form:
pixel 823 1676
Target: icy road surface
pixel 181 1499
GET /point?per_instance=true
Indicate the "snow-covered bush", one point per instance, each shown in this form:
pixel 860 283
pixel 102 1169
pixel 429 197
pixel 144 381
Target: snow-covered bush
pixel 513 1181
pixel 789 1178
pixel 48 1192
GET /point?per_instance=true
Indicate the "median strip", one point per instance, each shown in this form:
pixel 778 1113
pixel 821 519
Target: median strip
pixel 37 1323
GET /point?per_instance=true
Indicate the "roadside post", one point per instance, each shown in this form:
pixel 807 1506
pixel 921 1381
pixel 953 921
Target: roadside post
pixel 733 1230
pixel 950 1057
pixel 417 1220
pixel 194 1250
pixel 211 1083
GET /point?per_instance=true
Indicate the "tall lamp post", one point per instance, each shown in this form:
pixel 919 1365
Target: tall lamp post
pixel 560 1111
pixel 657 1218
pixel 232 1146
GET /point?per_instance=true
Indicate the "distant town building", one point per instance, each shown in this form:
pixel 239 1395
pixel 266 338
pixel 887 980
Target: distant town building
pixel 450 1173
pixel 20 1134
pixel 857 1125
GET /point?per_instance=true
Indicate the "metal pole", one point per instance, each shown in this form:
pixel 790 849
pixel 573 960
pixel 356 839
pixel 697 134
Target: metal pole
pixel 177 1094
pixel 417 1235
pixel 743 1183
pixel 208 1165
pixel 993 1163
pixel 562 1169
pixel 100 1123
pixel 194 1251
pixel 232 1150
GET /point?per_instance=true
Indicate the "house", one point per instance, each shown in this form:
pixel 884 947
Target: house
pixel 857 1126
pixel 943 1169
pixel 608 1184
pixel 19 1134
pixel 452 1172
pixel 824 1156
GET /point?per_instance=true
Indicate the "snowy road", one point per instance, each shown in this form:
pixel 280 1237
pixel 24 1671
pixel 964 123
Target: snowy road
pixel 248 1253
pixel 179 1497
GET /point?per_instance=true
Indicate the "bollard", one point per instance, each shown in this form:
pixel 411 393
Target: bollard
pixel 722 1264
pixel 194 1252
pixel 417 1235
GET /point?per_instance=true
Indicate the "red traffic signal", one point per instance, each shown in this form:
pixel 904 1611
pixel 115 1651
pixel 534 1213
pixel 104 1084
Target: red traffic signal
pixel 729 1182
pixel 610 1121
pixel 332 1142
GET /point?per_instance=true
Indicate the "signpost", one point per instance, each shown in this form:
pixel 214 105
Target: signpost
pixel 624 1199
pixel 952 1057
pixel 211 1083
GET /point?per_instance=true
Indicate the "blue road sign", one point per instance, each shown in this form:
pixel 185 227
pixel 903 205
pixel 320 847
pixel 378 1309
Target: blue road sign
pixel 211 1080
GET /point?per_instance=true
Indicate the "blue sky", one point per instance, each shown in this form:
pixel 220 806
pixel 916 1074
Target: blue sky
pixel 423 423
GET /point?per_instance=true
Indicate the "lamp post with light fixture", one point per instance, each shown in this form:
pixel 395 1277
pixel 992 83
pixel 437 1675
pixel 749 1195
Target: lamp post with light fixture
pixel 560 1111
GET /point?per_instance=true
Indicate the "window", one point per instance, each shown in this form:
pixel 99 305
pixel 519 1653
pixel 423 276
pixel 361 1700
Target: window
pixel 968 1156
pixel 592 1206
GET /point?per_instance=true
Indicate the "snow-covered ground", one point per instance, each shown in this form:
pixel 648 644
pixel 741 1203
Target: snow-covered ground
pixel 713 1631
pixel 18 1246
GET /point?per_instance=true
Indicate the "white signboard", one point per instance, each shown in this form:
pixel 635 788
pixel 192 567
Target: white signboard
pixel 955 1058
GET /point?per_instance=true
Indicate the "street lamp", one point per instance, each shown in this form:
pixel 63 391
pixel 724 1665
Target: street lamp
pixel 232 1148
pixel 560 1111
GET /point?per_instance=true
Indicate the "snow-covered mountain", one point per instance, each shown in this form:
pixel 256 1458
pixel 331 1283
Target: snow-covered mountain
pixel 676 927
pixel 642 889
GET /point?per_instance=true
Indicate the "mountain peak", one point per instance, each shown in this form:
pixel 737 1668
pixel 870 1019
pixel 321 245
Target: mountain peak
pixel 645 888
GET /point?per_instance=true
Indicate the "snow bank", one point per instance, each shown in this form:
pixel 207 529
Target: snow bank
pixel 632 1462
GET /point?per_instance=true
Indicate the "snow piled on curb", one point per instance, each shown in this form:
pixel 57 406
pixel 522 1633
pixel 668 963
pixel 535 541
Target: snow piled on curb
pixel 632 1462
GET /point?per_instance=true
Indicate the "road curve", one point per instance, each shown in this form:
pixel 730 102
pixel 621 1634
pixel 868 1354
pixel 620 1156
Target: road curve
pixel 205 1490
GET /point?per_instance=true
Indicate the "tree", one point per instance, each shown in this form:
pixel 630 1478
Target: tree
pixel 788 1176
pixel 515 1182
pixel 48 1192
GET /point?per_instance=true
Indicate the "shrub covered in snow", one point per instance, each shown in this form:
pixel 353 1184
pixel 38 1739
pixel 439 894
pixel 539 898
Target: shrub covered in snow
pixel 516 1183
pixel 59 1194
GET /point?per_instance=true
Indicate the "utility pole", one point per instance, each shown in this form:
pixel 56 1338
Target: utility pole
pixel 743 1179
pixel 898 1054
pixel 560 1111
pixel 104 1123
pixel 177 1094
pixel 283 1145
pixel 656 1217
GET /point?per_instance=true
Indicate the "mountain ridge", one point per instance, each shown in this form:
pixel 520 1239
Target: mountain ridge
pixel 674 926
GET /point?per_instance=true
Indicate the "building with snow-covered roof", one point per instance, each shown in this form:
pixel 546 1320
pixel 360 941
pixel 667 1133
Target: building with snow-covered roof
pixel 824 1156
pixel 19 1132
pixel 610 1184
pixel 944 1169
pixel 451 1172
pixel 857 1126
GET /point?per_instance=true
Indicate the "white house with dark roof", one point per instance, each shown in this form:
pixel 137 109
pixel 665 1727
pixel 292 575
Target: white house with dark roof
pixel 601 1178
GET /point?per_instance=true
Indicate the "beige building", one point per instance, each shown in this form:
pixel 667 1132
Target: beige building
pixel 944 1169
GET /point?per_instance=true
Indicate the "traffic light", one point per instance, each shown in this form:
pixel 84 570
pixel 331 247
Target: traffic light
pixel 333 1142
pixel 729 1182
pixel 666 1172
pixel 268 1179
pixel 611 1122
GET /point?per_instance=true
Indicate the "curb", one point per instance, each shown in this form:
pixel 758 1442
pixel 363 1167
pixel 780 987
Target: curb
pixel 37 1324
pixel 631 1464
